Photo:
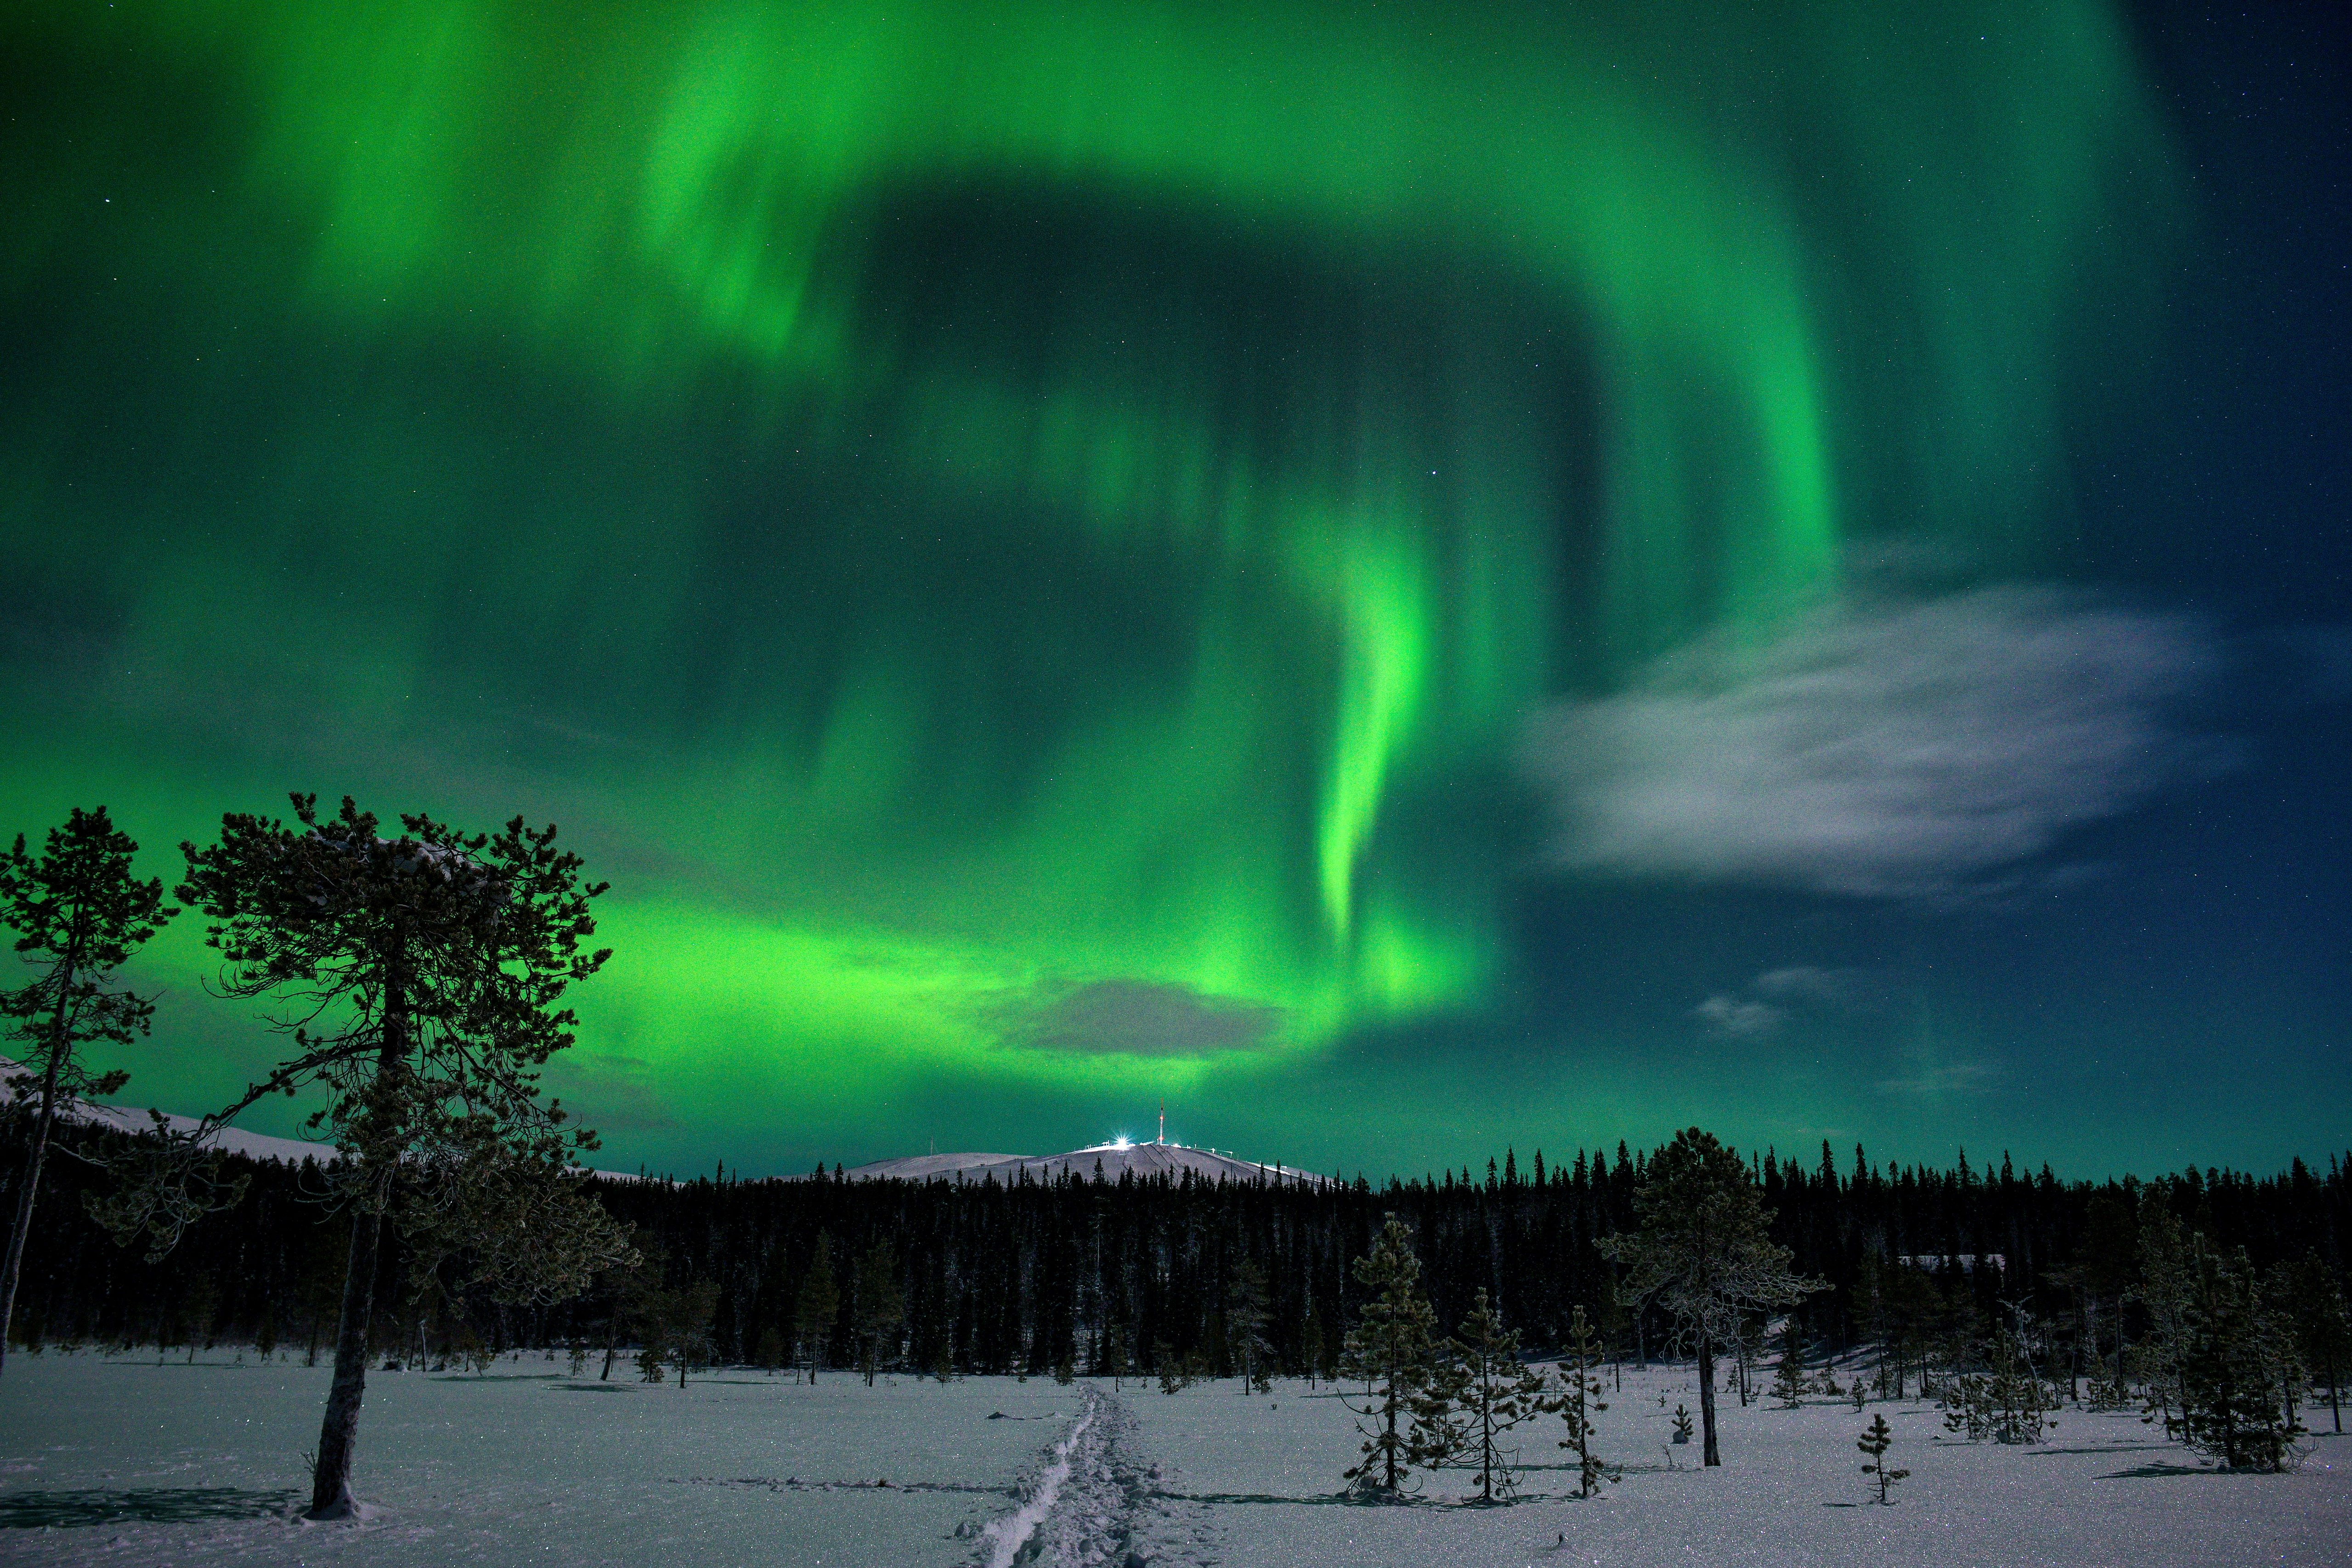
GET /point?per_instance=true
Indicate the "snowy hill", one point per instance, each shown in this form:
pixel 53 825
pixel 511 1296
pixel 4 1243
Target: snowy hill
pixel 233 1139
pixel 1111 1161
pixel 124 1118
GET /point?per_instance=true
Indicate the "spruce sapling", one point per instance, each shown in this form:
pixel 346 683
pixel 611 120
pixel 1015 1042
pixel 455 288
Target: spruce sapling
pixel 1875 1439
pixel 1578 1400
pixel 1788 1375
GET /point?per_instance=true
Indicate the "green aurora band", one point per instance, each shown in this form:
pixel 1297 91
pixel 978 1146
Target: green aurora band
pixel 1020 537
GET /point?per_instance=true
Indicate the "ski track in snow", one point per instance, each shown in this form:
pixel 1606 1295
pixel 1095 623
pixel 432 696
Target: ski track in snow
pixel 1088 1503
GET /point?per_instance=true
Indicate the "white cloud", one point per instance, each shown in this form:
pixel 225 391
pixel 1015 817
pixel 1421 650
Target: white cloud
pixel 1773 997
pixel 1876 748
pixel 1739 1018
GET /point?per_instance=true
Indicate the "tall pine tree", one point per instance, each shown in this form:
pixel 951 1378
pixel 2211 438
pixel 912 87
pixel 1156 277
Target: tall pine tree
pixel 424 975
pixel 1393 1352
pixel 78 914
pixel 1497 1391
pixel 1704 1253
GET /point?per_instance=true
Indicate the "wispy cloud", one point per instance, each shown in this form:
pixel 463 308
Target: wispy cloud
pixel 1136 1017
pixel 1949 1077
pixel 1759 1007
pixel 1806 983
pixel 1897 749
pixel 1739 1018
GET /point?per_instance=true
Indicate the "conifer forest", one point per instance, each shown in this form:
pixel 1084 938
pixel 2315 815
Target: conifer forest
pixel 1930 1270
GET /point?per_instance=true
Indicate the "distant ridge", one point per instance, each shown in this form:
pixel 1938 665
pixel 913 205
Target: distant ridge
pixel 1142 1161
pixel 228 1139
pixel 125 1119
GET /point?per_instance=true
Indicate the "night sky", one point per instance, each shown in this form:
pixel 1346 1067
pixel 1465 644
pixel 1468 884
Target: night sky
pixel 1412 578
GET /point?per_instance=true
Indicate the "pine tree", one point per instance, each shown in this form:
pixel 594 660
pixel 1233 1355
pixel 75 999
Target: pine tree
pixel 1578 1400
pixel 1175 1374
pixel 820 1299
pixel 1497 1391
pixel 2322 1324
pixel 428 972
pixel 1788 1372
pixel 687 1316
pixel 1875 1439
pixel 1682 1424
pixel 78 915
pixel 1114 1363
pixel 2235 1374
pixel 2167 1277
pixel 770 1353
pixel 1704 1254
pixel 1310 1345
pixel 881 1304
pixel 1246 1320
pixel 1391 1351
pixel 2008 1402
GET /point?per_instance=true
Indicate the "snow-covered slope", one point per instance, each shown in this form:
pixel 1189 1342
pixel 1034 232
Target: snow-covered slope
pixel 123 1118
pixel 233 1139
pixel 1111 1161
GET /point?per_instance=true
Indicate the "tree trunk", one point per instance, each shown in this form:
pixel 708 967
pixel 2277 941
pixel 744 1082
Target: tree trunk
pixel 331 1479
pixel 33 1157
pixel 1388 1455
pixel 1712 1454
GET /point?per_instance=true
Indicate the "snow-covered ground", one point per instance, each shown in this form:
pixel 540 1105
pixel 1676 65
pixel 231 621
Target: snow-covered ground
pixel 128 1462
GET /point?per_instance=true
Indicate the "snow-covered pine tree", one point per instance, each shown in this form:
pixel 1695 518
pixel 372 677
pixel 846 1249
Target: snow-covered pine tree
pixel 78 915
pixel 1682 1424
pixel 1577 1400
pixel 1497 1391
pixel 1875 1439
pixel 1393 1352
pixel 815 1308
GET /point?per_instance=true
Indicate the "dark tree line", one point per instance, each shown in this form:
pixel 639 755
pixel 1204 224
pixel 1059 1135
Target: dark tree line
pixel 1136 1277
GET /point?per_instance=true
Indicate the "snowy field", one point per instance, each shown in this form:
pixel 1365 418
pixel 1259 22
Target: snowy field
pixel 128 1462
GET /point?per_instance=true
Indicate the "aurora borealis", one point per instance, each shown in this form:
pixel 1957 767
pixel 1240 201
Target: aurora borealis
pixel 1062 555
